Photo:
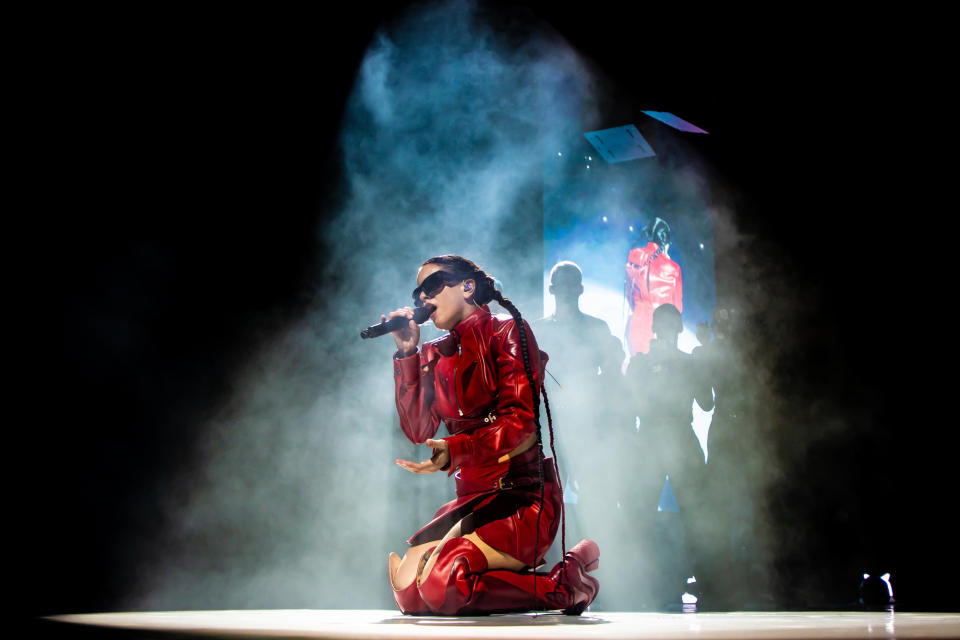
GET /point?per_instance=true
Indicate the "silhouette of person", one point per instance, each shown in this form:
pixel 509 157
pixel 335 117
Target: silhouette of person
pixel 584 346
pixel 585 360
pixel 653 279
pixel 665 383
pixel 727 500
pixel 720 361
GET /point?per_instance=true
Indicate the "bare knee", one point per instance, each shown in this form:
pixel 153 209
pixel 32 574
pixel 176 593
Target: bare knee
pixel 404 570
pixel 495 559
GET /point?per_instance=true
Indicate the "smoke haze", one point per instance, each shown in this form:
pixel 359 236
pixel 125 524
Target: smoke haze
pixel 292 498
pixel 289 497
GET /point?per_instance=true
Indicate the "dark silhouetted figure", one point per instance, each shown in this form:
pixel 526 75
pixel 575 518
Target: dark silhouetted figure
pixel 585 362
pixel 728 503
pixel 664 384
pixel 584 346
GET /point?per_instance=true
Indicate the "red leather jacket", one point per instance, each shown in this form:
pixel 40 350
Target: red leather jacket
pixel 657 280
pixel 474 380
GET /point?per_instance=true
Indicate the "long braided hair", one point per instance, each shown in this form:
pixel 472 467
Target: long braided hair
pixel 486 290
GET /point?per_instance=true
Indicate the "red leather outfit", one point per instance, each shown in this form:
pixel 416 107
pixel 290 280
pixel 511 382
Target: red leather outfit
pixel 474 381
pixel 650 283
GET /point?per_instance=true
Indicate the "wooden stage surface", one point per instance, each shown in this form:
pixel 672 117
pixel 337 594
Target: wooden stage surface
pixel 388 624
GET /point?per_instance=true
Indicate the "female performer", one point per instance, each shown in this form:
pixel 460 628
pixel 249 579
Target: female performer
pixel 653 279
pixel 483 381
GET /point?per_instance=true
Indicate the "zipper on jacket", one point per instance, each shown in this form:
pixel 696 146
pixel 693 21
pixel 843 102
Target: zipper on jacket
pixel 456 380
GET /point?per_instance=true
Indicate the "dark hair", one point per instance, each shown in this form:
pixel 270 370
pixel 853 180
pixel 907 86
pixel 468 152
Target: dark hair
pixel 463 269
pixel 668 317
pixel 657 232
pixel 567 266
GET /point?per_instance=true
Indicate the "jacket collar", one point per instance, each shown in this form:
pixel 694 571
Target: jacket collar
pixel 475 319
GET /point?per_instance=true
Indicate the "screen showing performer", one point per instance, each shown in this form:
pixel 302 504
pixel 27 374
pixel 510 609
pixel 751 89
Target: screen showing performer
pixel 641 232
pixel 653 279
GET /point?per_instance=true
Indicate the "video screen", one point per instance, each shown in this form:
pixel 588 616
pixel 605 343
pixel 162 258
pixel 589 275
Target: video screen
pixel 640 230
pixel 633 214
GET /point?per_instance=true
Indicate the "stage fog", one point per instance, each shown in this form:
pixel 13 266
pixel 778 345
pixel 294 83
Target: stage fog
pixel 449 144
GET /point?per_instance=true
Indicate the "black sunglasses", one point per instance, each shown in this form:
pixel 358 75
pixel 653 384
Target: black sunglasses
pixel 432 285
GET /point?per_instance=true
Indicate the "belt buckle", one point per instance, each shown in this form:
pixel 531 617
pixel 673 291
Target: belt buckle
pixel 504 483
pixel 490 417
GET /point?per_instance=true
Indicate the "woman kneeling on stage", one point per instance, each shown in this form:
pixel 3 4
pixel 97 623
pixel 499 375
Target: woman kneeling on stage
pixel 483 380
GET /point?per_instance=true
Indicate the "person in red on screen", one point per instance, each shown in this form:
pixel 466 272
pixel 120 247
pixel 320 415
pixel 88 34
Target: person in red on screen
pixel 653 279
pixel 483 380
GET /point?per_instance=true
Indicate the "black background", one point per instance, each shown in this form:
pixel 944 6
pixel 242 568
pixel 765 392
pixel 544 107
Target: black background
pixel 176 168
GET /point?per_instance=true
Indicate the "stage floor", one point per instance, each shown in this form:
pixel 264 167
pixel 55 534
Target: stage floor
pixel 388 624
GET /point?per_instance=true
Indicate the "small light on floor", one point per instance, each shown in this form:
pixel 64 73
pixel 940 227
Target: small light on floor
pixel 876 592
pixel 886 579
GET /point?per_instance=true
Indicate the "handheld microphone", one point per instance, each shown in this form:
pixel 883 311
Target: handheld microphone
pixel 420 316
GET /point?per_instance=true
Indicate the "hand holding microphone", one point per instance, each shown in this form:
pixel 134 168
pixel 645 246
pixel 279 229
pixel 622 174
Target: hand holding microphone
pixel 405 333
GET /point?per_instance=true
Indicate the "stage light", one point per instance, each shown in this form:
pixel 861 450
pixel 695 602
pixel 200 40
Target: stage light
pixel 876 592
pixel 604 217
pixel 690 597
pixel 886 580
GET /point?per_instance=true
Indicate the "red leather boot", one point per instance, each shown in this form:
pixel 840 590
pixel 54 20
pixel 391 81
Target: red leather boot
pixel 449 587
pixel 458 584
pixel 408 599
pixel 580 588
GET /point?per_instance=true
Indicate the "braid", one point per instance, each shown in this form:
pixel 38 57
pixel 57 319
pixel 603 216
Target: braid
pixel 522 332
pixel 556 469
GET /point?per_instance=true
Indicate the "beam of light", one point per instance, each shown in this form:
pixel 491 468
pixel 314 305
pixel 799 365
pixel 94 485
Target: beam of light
pixel 680 124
